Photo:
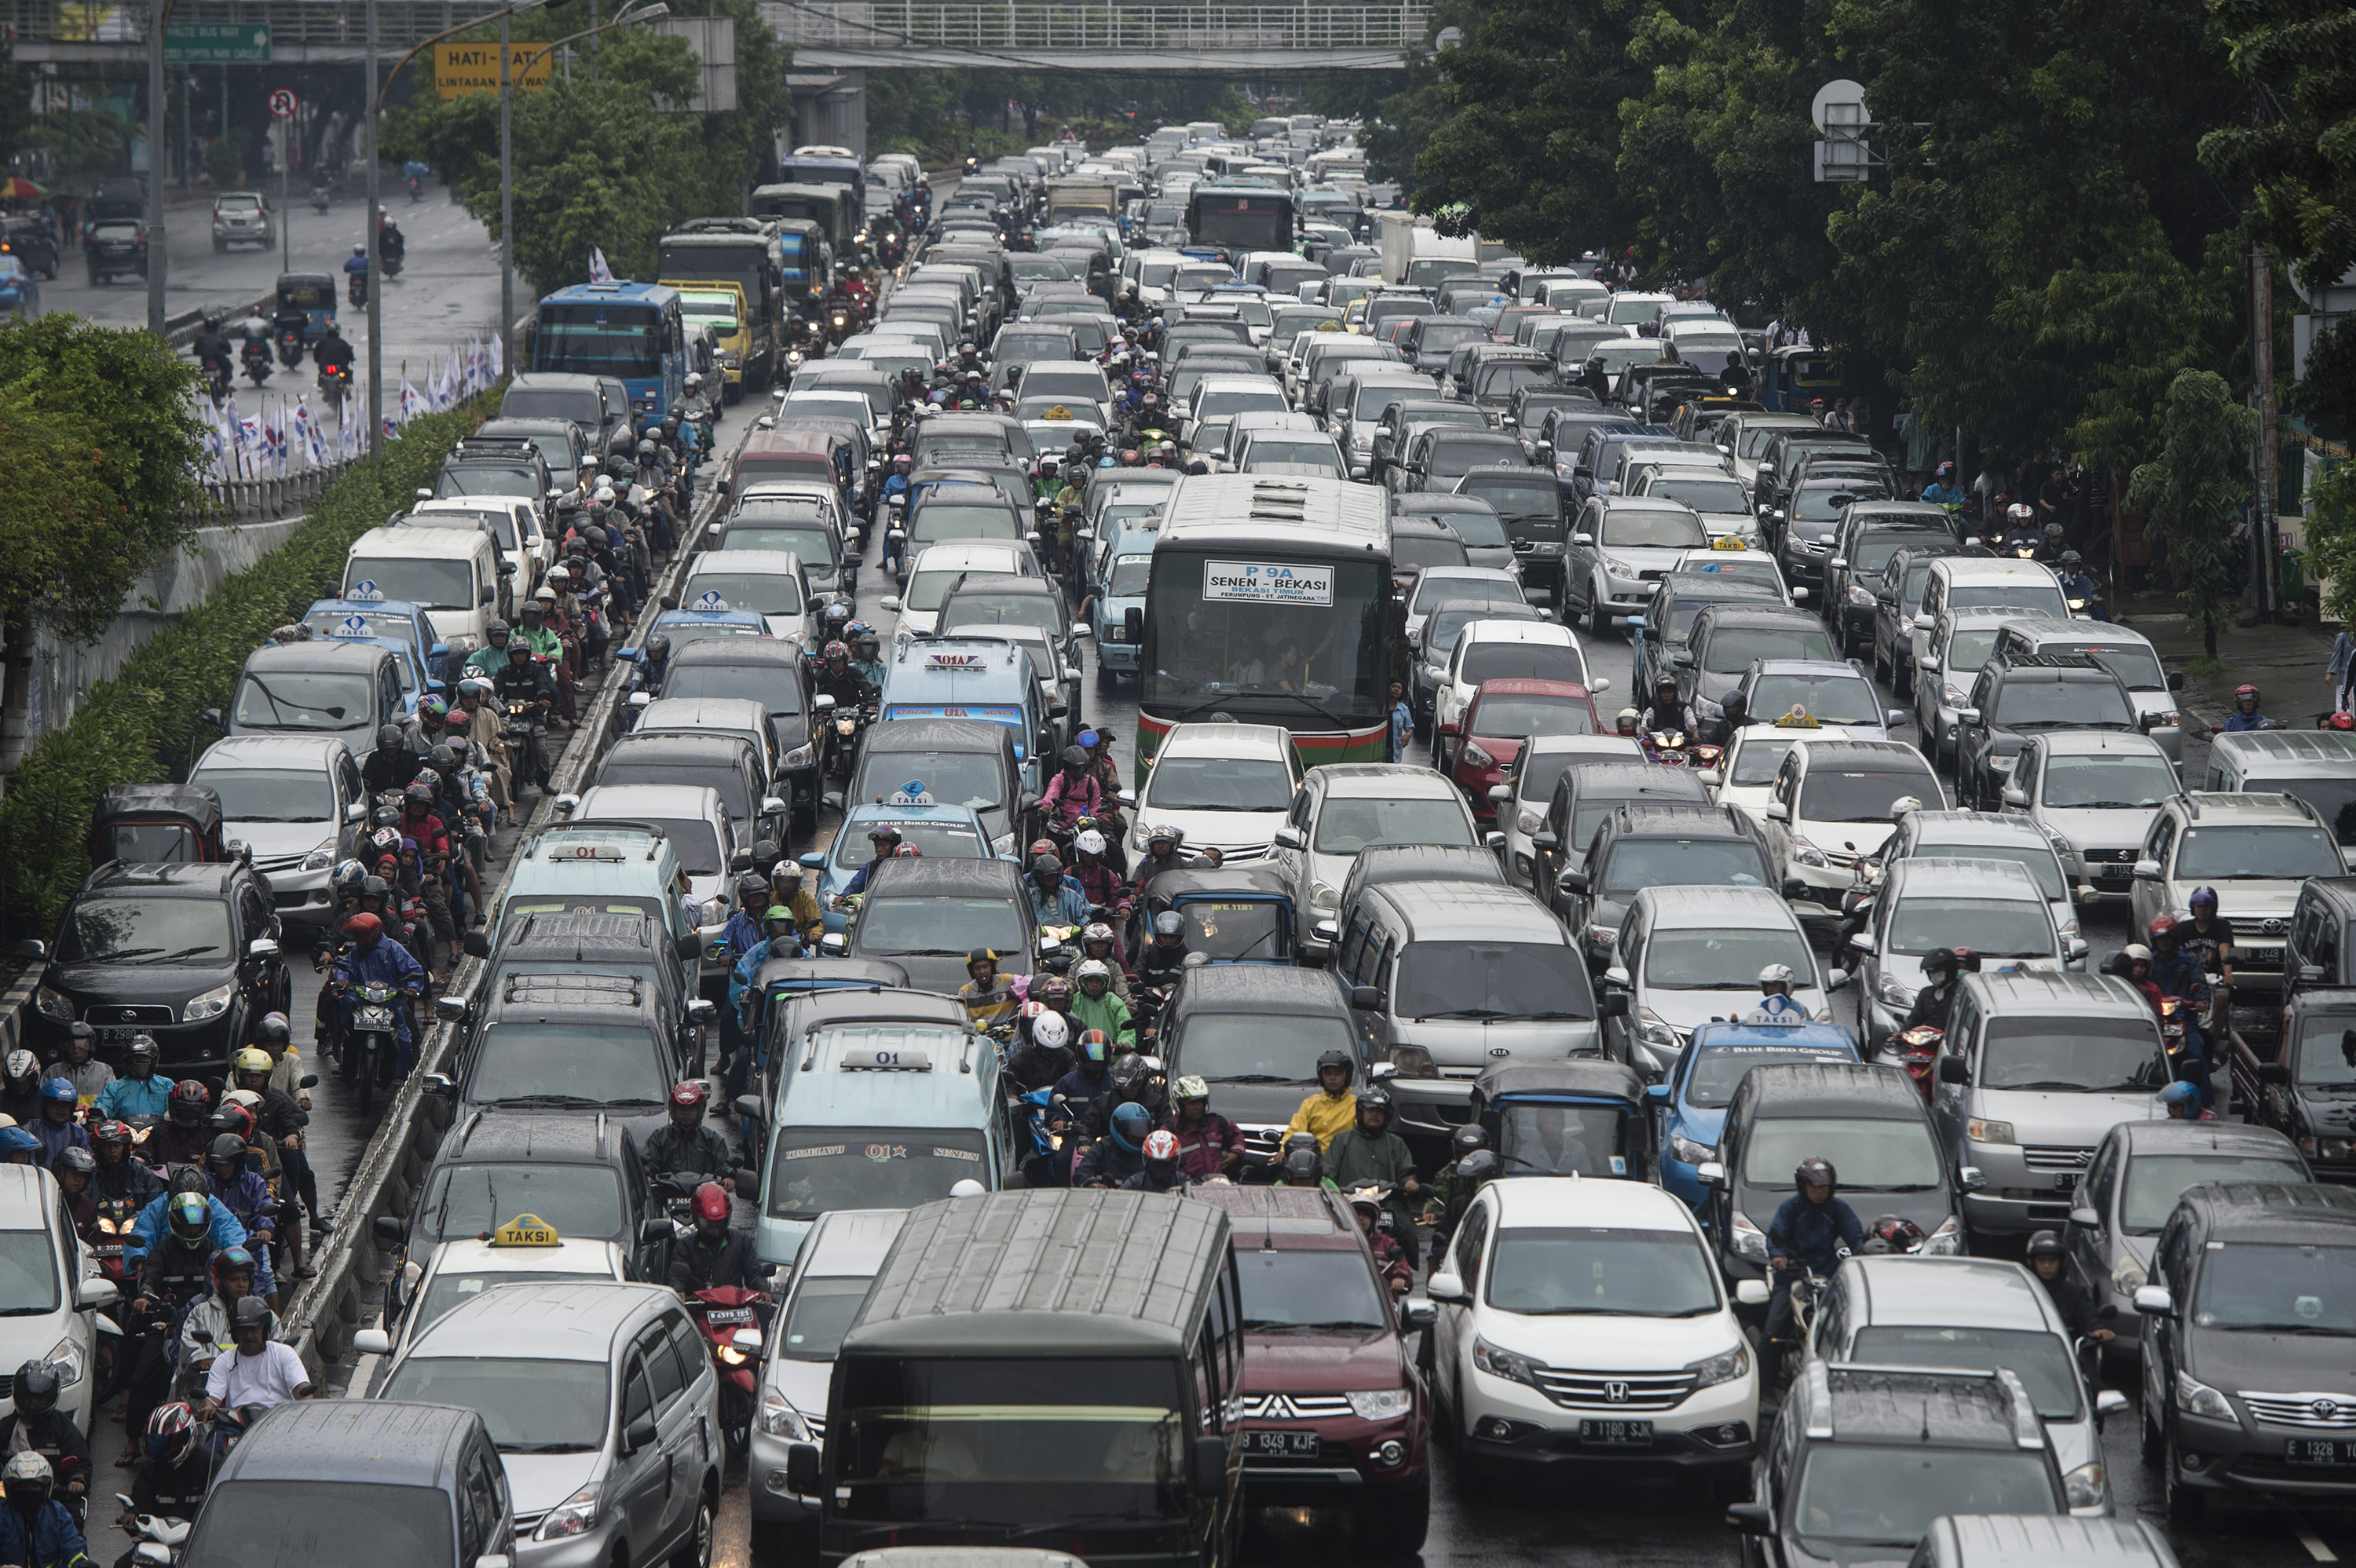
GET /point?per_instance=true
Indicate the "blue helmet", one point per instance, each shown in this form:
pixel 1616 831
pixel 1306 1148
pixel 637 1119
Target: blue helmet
pixel 2179 1093
pixel 1107 461
pixel 17 1140
pixel 57 1089
pixel 1131 1123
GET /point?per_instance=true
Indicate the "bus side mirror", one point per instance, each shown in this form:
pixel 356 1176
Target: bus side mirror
pixel 1208 1475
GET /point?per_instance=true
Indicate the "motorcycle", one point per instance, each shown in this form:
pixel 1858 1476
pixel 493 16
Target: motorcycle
pixel 319 198
pixel 525 727
pixel 159 1537
pixel 416 189
pixel 371 1038
pixel 1048 1123
pixel 1672 750
pixel 335 382
pixel 843 730
pixel 356 287
pixel 389 260
pixel 1918 1053
pixel 724 1313
pixel 215 374
pixel 254 358
pixel 290 347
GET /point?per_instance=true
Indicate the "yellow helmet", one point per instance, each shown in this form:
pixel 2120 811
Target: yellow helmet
pixel 252 1059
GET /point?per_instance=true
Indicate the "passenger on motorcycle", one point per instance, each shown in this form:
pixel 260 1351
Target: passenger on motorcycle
pixel 372 958
pixel 2178 973
pixel 264 1372
pixel 867 654
pixel 1208 1144
pixel 1165 850
pixel 716 1256
pixel 119 1176
pixel 36 1530
pixel 1059 899
pixel 837 679
pixel 36 1425
pixel 205 1332
pixel 1370 1152
pixel 1095 1004
pixel 138 1092
pixel 990 1000
pixel 1333 1110
pixel 56 1128
pixel 684 1146
pixel 1113 1158
pixel 2210 939
pixel 176 1470
pixel 1162 1172
pixel 1810 1230
pixel 2070 1298
pixel 88 1078
pixel 1391 1260
pixel 1045 1055
pixel 1099 942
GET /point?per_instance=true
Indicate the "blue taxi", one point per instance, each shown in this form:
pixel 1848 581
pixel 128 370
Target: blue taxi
pixel 393 621
pixel 946 832
pixel 1690 1109
pixel 957 678
pixel 708 616
pixel 415 682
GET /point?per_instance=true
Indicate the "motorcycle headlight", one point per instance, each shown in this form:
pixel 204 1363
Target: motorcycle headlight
pixel 2199 1399
pixel 576 1514
pixel 1750 1240
pixel 1506 1364
pixel 1382 1403
pixel 210 1004
pixel 1723 1368
pixel 69 1360
pixel 322 857
pixel 1980 1130
pixel 1895 992
pixel 2084 1486
pixel 53 1005
pixel 1946 1241
pixel 800 757
pixel 1687 1151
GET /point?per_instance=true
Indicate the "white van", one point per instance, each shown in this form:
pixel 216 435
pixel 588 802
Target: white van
pixel 453 574
pixel 515 522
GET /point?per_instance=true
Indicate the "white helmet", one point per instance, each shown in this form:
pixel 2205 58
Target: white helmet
pixel 1775 975
pixel 1902 804
pixel 1090 842
pixel 1051 1029
pixel 967 1187
pixel 29 1465
pixel 1092 969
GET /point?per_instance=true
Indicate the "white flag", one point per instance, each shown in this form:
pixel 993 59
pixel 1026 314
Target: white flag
pixel 412 402
pixel 598 272
pixel 499 358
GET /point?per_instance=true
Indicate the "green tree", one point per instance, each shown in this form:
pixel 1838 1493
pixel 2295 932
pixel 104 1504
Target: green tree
pixel 2193 493
pixel 15 103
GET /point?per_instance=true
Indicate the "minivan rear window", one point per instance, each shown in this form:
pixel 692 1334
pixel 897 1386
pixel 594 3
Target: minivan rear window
pixel 1518 980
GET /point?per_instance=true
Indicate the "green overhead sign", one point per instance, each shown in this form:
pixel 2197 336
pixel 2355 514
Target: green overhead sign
pixel 216 43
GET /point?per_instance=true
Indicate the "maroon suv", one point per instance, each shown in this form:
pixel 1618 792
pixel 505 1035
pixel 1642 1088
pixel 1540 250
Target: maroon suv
pixel 1333 1407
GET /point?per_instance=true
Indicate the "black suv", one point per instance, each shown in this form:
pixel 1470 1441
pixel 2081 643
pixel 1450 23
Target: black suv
pixel 1640 846
pixel 1866 536
pixel 1804 520
pixel 771 672
pixel 114 248
pixel 1254 1033
pixel 580 1174
pixel 513 467
pixel 2249 1285
pixel 1966 1441
pixel 187 952
pixel 2308 1092
pixel 1784 455
pixel 2011 700
pixel 1586 793
pixel 27 239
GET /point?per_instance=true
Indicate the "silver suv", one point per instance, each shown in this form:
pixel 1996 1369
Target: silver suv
pixel 242 218
pixel 2254 849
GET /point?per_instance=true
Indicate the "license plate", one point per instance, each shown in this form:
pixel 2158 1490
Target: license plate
pixel 1282 1444
pixel 2065 1181
pixel 2319 1451
pixel 729 1315
pixel 116 1034
pixel 110 1250
pixel 1616 1434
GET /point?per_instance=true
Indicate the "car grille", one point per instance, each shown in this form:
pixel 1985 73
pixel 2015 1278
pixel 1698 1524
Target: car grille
pixel 2123 857
pixel 266 865
pixel 2322 1411
pixel 525 1523
pixel 1615 1391
pixel 8 1384
pixel 1295 1406
pixel 2055 1156
pixel 114 1015
pixel 816 1424
pixel 1263 1140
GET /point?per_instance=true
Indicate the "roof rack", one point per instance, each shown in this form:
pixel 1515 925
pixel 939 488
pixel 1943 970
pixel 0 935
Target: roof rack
pixel 2027 1430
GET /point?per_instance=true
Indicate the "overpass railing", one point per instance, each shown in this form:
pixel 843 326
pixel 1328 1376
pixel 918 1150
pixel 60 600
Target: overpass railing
pixel 883 24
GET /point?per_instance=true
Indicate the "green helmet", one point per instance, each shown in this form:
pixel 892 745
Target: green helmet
pixel 776 911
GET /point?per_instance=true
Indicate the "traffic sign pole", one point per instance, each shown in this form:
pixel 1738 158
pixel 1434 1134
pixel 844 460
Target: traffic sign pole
pixel 281 109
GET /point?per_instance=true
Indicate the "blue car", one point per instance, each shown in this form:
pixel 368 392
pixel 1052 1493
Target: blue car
pixel 1689 1110
pixel 949 832
pixel 396 622
pixel 685 626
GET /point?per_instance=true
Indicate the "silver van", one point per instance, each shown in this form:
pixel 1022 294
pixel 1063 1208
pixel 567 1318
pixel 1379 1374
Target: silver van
pixel 2037 1067
pixel 603 1403
pixel 1449 978
pixel 2317 765
pixel 2035 1540
pixel 2125 654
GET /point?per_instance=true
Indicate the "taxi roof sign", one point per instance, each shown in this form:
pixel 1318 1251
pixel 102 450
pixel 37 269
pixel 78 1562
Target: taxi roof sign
pixel 364 591
pixel 942 659
pixel 1058 412
pixel 587 852
pixel 1728 541
pixel 913 793
pixel 1798 718
pixel 351 626
pixel 709 600
pixel 527 1230
pixel 887 1062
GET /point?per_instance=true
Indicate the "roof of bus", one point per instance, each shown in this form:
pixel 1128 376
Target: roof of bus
pixel 598 293
pixel 1241 507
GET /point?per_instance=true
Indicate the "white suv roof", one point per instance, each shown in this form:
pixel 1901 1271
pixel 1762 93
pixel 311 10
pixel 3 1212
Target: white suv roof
pixel 1227 739
pixel 1637 1205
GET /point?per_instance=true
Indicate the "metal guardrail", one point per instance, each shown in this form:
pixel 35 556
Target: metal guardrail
pixel 311 23
pixel 883 24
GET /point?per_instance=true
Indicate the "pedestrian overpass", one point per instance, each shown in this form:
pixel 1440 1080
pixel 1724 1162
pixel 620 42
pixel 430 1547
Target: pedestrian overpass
pixel 885 34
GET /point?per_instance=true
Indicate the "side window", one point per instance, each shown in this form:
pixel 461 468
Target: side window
pixel 2102 1176
pixel 1830 1328
pixel 2164 840
pixel 1472 1246
pixel 662 1366
pixel 2328 949
pixel 688 1344
pixel 1381 966
pixel 1354 943
pixel 637 1399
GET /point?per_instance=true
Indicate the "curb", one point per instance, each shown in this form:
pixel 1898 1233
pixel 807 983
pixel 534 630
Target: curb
pixel 13 1003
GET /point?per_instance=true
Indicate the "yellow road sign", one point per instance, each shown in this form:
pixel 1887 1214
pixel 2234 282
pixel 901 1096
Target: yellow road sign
pixel 462 68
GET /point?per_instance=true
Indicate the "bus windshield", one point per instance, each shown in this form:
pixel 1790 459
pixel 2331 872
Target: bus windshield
pixel 1241 220
pixel 1314 652
pixel 602 339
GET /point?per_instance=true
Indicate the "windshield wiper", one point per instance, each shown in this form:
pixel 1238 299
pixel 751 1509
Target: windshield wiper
pixel 1257 1078
pixel 1464 1013
pixel 1277 1325
pixel 2312 1329
pixel 923 952
pixel 1554 1015
pixel 543 1100
pixel 183 953
pixel 546 1448
pixel 122 953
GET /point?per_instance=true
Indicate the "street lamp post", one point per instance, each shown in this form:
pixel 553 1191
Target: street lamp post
pixel 159 261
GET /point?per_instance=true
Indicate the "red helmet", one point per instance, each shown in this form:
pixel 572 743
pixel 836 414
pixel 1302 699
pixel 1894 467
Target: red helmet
pixel 2341 722
pixel 1900 1235
pixel 2242 691
pixel 1161 1145
pixel 907 852
pixel 711 1200
pixel 2162 925
pixel 363 926
pixel 691 1093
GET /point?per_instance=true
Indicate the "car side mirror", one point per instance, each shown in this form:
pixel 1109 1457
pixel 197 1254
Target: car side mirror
pixel 688 945
pixel 389 1229
pixel 2154 1301
pixel 2085 1219
pixel 1860 941
pixel 639 1434
pixel 1445 1287
pixel 356 812
pixel 91 1293
pixel 1326 931
pixel 1545 838
pixel 1951 1070
pixel 1778 812
pixel 1923 623
pixel 371 1342
pixel 2273 1072
pixel 1750 1519
pixel 2146 871
pixel 1290 838
pixel 1417 1314
pixel 1710 1173
pixel 1582 539
pixel 1752 1292
pixel 450 1009
pixel 1207 1474
pixel 1967 715
pixel 1839 563
pixel 1365 999
pixel 478 943
pixel 834 944
pixel 1612 1005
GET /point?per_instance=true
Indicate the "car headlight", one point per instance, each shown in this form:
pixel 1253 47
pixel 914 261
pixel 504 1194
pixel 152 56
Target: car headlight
pixel 2334 1149
pixel 1895 992
pixel 1687 1151
pixel 53 1005
pixel 1654 1029
pixel 2168 721
pixel 1505 1364
pixel 1954 697
pixel 1723 1368
pixel 210 1004
pixel 2199 1399
pixel 1946 1241
pixel 322 857
pixel 1382 1403
pixel 1413 1061
pixel 2003 764
pixel 1602 935
pixel 1322 897
pixel 1530 821
pixel 2083 1486
pixel 2127 1276
pixel 576 1514
pixel 801 756
pixel 1002 845
pixel 1860 598
pixel 69 1360
pixel 1980 1130
pixel 779 1419
pixel 2061 846
pixel 1473 754
pixel 1808 854
pixel 1750 1240
pixel 1618 568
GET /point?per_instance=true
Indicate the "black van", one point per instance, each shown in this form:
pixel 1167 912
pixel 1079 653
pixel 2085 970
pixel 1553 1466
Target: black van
pixel 1587 793
pixel 1253 1032
pixel 961 1413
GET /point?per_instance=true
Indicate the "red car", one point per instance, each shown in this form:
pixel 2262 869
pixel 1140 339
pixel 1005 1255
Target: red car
pixel 1501 715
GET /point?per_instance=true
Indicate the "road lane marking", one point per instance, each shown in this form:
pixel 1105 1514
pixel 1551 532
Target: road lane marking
pixel 2312 1542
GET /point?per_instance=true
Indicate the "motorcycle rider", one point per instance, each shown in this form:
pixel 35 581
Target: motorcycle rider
pixel 330 351
pixel 1370 1152
pixel 20 1101
pixel 685 1145
pixel 175 1271
pixel 55 1128
pixel 241 1191
pixel 886 839
pixel 176 1470
pixel 211 348
pixel 1809 1230
pixel 2176 973
pixel 789 893
pixel 36 1425
pixel 138 1092
pixel 1391 1260
pixel 1087 1081
pixel 990 1000
pixel 523 680
pixel 120 1178
pixel 867 654
pixel 1776 1003
pixel 1112 1160
pixel 1095 1004
pixel 2246 714
pixel 1045 1056
pixel 2077 584
pixel 745 1000
pixel 1333 1109
pixel 836 678
pixel 372 958
pixel 1073 792
pixel 356 272
pixel 1733 713
pixel 1668 713
pixel 1165 850
pixel 718 1254
pixel 1942 490
pixel 2209 937
pixel 1936 1002
pixel 1099 883
pixel 1059 898
pixel 1208 1144
pixel 1441 1204
pixel 1161 1169
pixel 88 1078
pixel 36 1530
pixel 264 1372
pixel 1099 941
pixel 2070 1298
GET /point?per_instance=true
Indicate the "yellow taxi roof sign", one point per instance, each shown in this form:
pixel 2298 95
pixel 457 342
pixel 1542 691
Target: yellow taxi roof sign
pixel 1059 412
pixel 1328 326
pixel 527 1230
pixel 1728 541
pixel 1798 718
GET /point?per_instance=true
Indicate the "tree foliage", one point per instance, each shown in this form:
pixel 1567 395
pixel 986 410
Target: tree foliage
pixel 2192 494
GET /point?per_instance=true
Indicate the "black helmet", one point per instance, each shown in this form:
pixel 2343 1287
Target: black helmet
pixel 1815 1171
pixel 273 1026
pixel 226 1147
pixel 495 627
pixel 2044 1244
pixel 250 1311
pixel 1299 1140
pixel 1939 958
pixel 658 647
pixel 1373 1100
pixel 1304 1168
pixel 1478 1167
pixel 388 738
pixel 1074 757
pixel 420 794
pixel 374 888
pixel 1468 1139
pixel 36 1389
pixel 1340 1058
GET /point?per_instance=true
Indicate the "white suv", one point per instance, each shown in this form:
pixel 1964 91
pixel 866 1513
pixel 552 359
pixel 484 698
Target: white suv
pixel 56 1290
pixel 1586 1319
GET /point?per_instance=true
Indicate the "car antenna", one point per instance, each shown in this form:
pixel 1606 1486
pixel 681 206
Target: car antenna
pixel 1926 1416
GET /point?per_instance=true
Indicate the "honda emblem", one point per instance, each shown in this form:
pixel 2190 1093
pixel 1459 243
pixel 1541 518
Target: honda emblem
pixel 1615 1392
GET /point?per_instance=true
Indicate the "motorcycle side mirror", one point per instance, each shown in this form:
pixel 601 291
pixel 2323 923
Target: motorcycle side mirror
pixel 309 1080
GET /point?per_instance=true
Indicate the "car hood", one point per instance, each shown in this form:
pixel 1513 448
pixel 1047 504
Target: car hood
pixel 1613 1344
pixel 779 1242
pixel 786 626
pixel 1716 523
pixel 271 840
pixel 449 625
pixel 538 1482
pixel 1684 1010
pixel 1702 1124
pixel 1471 1042
pixel 2230 1360
pixel 2089 827
pixel 1228 831
pixel 1645 557
pixel 1494 556
pixel 1256 1104
pixel 1907 968
pixel 2067 1120
pixel 1302 1362
pixel 943 973
pixel 803 1384
pixel 1848 838
pixel 136 984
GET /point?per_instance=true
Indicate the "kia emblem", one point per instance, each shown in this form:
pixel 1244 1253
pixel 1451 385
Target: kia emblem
pixel 1500 1050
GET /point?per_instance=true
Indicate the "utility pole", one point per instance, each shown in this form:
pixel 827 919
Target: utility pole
pixel 506 206
pixel 2265 571
pixel 159 258
pixel 375 272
